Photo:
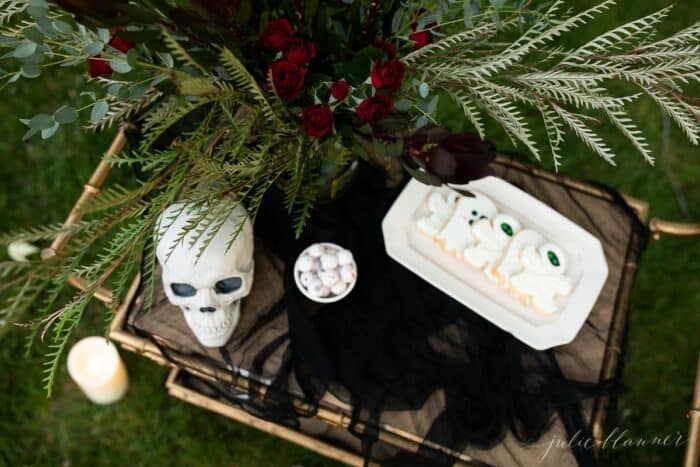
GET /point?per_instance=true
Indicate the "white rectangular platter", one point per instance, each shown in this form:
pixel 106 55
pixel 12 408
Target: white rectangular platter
pixel 586 262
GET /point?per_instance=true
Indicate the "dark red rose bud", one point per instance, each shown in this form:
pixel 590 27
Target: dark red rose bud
pixel 317 120
pixel 387 47
pixel 388 75
pixel 120 44
pixel 374 108
pixel 299 50
pixel 276 35
pixel 287 78
pixel 421 39
pixel 340 89
pixel 98 66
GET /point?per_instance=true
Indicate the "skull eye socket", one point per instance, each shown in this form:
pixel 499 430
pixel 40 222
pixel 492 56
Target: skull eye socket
pixel 230 285
pixel 183 290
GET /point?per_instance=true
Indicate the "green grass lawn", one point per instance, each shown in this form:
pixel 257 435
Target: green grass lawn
pixel 41 180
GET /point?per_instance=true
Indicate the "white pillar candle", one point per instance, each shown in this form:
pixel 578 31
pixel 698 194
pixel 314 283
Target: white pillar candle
pixel 95 366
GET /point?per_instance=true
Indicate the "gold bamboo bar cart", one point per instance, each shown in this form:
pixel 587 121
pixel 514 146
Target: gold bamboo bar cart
pixel 390 435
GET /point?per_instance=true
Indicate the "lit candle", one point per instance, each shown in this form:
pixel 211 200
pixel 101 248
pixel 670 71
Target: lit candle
pixel 95 366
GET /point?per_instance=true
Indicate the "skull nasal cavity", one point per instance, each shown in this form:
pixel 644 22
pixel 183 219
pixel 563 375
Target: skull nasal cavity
pixel 207 309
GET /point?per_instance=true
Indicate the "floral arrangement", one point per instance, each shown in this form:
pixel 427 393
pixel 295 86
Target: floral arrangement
pixel 233 97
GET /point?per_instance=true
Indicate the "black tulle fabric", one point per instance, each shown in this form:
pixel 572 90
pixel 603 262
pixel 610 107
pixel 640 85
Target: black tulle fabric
pixel 395 340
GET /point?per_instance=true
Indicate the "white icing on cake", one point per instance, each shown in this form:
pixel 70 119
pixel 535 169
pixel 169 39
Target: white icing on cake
pixel 456 235
pixel 492 238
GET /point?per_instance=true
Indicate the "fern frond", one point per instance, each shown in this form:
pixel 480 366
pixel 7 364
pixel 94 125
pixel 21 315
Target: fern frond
pixel 622 122
pixel 588 136
pixel 685 118
pixel 555 133
pixel 506 114
pixel 122 110
pixel 619 37
pixel 245 81
pixel 469 109
pixel 179 51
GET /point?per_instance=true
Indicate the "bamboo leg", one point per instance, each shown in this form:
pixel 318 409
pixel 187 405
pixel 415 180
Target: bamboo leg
pixel 91 189
pixel 692 451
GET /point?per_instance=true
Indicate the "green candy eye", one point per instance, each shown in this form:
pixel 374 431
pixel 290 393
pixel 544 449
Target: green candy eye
pixel 553 258
pixel 507 229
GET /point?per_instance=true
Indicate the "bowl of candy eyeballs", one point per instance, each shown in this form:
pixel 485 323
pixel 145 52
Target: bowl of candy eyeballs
pixel 325 272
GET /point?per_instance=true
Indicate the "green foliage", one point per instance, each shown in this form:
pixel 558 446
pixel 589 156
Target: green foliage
pixel 562 84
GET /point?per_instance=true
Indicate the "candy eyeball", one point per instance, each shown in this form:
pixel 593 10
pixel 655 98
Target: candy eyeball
pixel 329 277
pixel 305 263
pixel 319 290
pixel 338 288
pixel 308 278
pixel 316 250
pixel 344 257
pixel 329 261
pixel 348 273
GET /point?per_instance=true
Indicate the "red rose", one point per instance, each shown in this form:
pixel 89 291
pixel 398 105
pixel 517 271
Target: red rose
pixel 299 50
pixel 120 44
pixel 421 39
pixel 374 108
pixel 340 89
pixel 277 34
pixel 317 120
pixel 98 66
pixel 287 78
pixel 387 47
pixel 388 75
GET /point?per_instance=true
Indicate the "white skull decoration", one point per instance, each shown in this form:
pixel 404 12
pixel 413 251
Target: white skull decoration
pixel 208 289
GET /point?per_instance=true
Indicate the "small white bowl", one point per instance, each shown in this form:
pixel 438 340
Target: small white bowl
pixel 330 298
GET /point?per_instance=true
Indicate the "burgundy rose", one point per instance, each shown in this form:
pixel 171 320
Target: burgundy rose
pixel 287 78
pixel 299 50
pixel 276 35
pixel 118 43
pixel 388 75
pixel 421 39
pixel 340 89
pixel 374 108
pixel 387 47
pixel 317 120
pixel 98 66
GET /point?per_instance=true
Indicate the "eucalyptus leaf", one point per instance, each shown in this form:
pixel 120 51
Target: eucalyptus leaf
pixel 119 65
pixel 24 49
pixel 62 26
pixel 93 48
pixel 132 57
pixel 46 27
pixel 403 105
pixel 41 122
pixel 30 70
pixel 49 132
pixel 65 114
pixel 422 121
pixel 424 90
pixel 37 11
pixel 90 94
pixel 33 34
pixel 103 34
pixel 114 88
pixel 99 110
pixel 31 132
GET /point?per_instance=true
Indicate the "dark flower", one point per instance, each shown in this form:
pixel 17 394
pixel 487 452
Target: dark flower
pixel 388 75
pixel 98 66
pixel 317 120
pixel 387 47
pixel 120 44
pixel 374 108
pixel 276 35
pixel 452 157
pixel 420 39
pixel 299 50
pixel 340 89
pixel 287 78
